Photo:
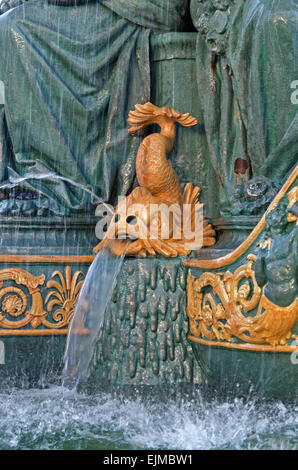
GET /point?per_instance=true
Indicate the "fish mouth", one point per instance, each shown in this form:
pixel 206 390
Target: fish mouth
pixel 126 230
pixel 125 236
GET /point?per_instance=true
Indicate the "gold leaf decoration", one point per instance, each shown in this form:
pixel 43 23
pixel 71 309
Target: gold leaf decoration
pixel 227 319
pixel 15 319
pixel 61 300
pixel 15 305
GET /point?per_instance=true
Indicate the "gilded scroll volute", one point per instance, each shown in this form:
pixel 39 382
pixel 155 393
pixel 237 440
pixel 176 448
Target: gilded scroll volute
pixel 257 304
pixel 14 301
pixel 40 319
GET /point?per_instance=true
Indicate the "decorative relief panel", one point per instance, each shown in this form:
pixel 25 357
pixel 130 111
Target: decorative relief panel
pixel 231 310
pixel 22 308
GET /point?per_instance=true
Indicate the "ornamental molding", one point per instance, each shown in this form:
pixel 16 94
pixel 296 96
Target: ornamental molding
pixel 24 312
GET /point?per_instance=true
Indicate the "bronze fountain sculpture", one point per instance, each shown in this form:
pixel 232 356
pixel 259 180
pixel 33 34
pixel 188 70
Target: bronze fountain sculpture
pixel 159 184
pixel 64 148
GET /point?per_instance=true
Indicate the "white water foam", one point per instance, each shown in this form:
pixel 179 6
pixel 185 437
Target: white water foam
pixel 57 418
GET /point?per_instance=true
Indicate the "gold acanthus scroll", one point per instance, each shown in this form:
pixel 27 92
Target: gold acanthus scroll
pixel 16 317
pixel 228 319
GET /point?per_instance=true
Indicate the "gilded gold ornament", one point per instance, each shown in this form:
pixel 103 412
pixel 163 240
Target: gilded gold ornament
pixel 221 311
pixel 15 320
pixel 159 186
pixel 223 261
pixel 64 295
pixel 15 305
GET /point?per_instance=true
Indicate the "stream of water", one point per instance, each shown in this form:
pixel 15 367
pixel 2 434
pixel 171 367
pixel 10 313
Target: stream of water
pixel 89 314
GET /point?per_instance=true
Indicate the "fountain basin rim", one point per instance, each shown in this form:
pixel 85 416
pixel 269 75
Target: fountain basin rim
pixel 244 346
pixel 240 250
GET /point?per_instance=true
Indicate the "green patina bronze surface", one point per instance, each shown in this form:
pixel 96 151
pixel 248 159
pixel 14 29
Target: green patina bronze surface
pixel 68 91
pixel 144 338
pixel 276 269
pixel 274 374
pixel 246 63
pixel 71 75
pixel 163 354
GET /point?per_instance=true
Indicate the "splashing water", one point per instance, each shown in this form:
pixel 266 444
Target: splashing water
pixel 57 418
pixel 89 315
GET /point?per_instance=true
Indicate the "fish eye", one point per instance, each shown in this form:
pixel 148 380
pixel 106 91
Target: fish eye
pixel 131 219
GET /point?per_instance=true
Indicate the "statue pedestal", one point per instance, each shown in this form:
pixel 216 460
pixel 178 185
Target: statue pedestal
pixel 174 84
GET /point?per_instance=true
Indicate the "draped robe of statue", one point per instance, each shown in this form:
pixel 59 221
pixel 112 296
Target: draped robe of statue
pixel 71 75
pixel 249 114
